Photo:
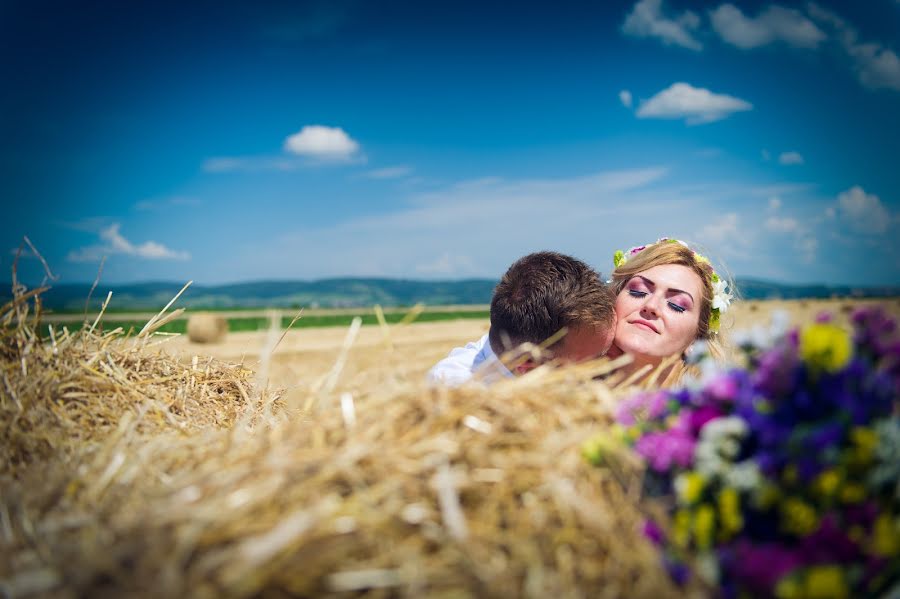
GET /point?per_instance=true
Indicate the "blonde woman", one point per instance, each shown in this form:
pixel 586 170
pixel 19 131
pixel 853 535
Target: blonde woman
pixel 667 297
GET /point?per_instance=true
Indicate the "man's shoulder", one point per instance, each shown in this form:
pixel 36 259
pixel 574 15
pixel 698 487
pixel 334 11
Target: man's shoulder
pixel 460 364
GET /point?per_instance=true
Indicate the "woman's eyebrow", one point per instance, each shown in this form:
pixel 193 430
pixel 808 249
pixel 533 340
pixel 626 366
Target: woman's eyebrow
pixel 671 289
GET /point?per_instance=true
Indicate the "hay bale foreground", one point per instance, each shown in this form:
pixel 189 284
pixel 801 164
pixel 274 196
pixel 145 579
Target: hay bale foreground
pixel 397 491
pixel 207 328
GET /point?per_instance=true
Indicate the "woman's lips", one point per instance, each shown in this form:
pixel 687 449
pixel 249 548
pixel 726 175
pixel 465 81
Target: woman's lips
pixel 646 324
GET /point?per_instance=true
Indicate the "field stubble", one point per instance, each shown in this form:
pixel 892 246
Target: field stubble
pixel 409 351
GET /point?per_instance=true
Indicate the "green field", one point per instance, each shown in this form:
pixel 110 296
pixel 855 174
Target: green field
pixel 256 323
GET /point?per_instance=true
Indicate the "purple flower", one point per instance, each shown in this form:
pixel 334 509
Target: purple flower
pixel 723 387
pixel 760 567
pixel 653 532
pixel 829 544
pixel 661 450
pixel 699 417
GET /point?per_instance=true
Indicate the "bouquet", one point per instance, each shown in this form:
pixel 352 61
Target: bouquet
pixel 782 477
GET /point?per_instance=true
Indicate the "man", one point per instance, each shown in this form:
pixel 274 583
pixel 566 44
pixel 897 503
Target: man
pixel 543 297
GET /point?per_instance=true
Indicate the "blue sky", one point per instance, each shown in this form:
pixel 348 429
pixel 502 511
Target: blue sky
pixel 226 142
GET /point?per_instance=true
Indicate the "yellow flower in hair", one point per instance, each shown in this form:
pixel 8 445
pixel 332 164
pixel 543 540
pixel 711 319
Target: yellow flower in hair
pixel 825 347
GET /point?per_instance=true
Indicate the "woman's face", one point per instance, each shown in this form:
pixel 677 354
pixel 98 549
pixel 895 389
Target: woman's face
pixel 658 311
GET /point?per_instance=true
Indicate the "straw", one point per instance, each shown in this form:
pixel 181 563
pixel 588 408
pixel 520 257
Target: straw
pixel 122 475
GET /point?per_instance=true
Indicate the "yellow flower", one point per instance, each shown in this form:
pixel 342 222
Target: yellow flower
pixel 825 347
pixel 887 537
pixel 689 486
pixel 852 493
pixel 789 475
pixel 827 483
pixel 704 522
pixel 864 441
pixel 825 582
pixel 788 588
pixel 730 512
pixel 798 517
pixel 599 448
pixel 766 496
pixel 681 529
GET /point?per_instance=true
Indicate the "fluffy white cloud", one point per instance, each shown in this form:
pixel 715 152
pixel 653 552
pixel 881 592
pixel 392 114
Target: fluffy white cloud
pixel 774 24
pixel 694 104
pixel 722 230
pixel 863 212
pixel 782 224
pixel 319 141
pixel 116 243
pixel 625 98
pixel 875 66
pixel 390 172
pixel 774 203
pixel 789 158
pixel 646 19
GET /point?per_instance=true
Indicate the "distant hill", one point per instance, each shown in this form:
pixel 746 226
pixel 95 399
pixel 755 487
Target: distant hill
pixel 354 292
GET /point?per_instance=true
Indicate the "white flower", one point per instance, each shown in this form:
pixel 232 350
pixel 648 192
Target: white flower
pixel 721 297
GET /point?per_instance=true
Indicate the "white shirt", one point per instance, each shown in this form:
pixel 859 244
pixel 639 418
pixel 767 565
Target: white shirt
pixel 475 360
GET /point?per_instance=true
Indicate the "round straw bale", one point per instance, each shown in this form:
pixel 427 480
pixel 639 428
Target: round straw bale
pixel 207 328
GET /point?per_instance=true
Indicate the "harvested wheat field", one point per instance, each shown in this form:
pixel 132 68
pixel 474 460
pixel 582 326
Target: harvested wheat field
pixel 139 466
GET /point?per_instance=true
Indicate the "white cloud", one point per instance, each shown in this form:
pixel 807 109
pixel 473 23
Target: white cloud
pixel 390 172
pixel 694 104
pixel 785 224
pixel 863 212
pixel 319 141
pixel 116 243
pixel 789 158
pixel 774 24
pixel 646 19
pixel 774 203
pixel 250 164
pixel 876 66
pixel 725 228
pixel 625 98
pixel 498 219
pixel 446 264
pixel 175 201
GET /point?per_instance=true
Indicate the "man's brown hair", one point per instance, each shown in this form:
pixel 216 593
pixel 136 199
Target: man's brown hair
pixel 543 293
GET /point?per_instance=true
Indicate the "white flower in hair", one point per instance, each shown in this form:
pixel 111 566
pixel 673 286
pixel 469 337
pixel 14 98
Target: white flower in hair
pixel 721 297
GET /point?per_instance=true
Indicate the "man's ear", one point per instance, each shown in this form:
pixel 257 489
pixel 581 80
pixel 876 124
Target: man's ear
pixel 525 366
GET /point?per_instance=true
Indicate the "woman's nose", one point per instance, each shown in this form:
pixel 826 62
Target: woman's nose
pixel 651 305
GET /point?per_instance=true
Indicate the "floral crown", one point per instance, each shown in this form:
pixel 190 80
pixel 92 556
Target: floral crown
pixel 721 296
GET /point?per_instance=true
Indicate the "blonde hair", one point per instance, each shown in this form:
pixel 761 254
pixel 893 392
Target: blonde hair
pixel 672 252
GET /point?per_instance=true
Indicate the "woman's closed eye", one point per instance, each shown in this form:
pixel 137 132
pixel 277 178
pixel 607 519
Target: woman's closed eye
pixel 676 307
pixel 636 293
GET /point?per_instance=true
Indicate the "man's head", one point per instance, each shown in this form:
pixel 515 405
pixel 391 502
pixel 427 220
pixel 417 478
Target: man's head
pixel 544 293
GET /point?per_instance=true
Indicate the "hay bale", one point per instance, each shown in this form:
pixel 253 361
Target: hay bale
pixel 207 328
pixel 193 483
